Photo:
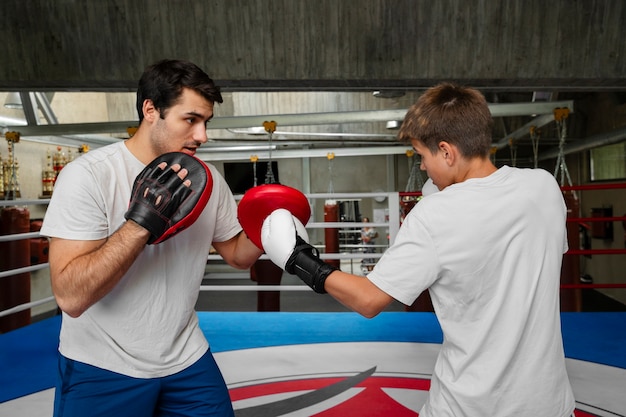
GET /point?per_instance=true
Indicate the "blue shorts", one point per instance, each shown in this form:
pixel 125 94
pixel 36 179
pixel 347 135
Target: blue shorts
pixel 85 390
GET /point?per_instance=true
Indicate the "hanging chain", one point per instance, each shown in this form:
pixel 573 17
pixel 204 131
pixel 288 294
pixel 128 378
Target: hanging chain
pixel 560 117
pixel 254 159
pixel 330 156
pixel 415 182
pixel 513 148
pixel 535 134
pixel 492 154
pixel 270 127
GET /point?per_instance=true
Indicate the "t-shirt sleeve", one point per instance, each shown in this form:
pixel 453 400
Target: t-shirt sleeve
pixel 76 210
pixel 227 225
pixel 410 265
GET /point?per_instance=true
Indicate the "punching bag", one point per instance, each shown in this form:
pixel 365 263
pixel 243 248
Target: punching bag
pixel 15 289
pixel 265 272
pixel 331 235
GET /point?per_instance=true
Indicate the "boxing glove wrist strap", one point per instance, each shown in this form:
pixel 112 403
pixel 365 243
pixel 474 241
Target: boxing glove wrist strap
pixel 306 264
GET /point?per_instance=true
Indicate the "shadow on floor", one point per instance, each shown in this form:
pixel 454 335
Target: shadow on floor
pixel 594 301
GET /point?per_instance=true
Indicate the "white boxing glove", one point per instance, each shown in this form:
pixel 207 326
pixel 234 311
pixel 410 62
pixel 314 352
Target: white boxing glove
pixel 285 240
pixel 278 235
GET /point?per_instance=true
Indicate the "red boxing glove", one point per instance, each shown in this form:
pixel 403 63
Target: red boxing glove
pixel 161 202
pixel 260 201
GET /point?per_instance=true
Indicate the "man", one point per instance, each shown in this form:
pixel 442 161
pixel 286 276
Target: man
pixel 488 246
pixel 130 344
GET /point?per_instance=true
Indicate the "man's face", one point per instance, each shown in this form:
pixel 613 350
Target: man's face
pixel 182 127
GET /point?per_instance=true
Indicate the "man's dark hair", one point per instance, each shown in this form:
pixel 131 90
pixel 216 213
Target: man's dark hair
pixel 163 83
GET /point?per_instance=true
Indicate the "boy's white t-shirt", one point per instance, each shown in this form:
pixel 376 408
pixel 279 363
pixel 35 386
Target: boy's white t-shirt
pixel 146 326
pixel 489 251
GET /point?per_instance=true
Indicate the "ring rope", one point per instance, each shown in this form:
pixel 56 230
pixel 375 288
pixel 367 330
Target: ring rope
pixel 347 256
pixel 17 271
pixel 584 187
pixel 26 306
pixel 46 300
pixel 590 286
pixel 596 252
pixel 19 236
pixel 595 219
pixel 255 288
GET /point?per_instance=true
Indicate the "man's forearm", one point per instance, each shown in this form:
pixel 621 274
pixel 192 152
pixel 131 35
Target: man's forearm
pixel 80 281
pixel 239 252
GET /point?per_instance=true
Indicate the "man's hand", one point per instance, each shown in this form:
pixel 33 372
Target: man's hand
pixel 169 195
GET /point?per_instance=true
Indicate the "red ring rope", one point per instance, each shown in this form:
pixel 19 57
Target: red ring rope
pixel 596 252
pixel 610 186
pixel 590 286
pixel 595 219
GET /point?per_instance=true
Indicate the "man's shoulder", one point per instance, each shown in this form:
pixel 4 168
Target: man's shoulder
pixel 106 158
pixel 103 153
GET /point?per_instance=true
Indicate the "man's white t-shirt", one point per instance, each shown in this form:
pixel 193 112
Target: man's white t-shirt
pixel 489 251
pixel 146 326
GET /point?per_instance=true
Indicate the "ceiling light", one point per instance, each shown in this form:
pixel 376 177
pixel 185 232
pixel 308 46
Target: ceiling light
pixel 388 93
pixel 13 101
pixel 393 124
pixel 542 96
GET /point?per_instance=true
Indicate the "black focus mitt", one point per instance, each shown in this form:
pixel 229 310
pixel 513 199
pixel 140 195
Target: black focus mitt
pixel 160 200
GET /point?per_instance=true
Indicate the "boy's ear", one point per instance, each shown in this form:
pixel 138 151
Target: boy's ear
pixel 448 152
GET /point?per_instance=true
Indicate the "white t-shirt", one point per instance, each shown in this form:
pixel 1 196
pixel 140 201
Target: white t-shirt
pixel 429 188
pixel 146 326
pixel 489 250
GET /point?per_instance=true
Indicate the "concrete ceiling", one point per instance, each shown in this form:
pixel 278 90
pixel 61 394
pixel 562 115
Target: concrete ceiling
pixel 515 51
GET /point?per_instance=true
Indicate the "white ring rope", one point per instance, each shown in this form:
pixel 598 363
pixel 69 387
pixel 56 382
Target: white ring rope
pixel 22 270
pixel 19 236
pixel 255 288
pixel 311 225
pixel 24 202
pixel 355 251
pixel 25 306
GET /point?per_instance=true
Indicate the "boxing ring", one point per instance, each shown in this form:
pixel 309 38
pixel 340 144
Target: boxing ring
pixel 350 365
pixel 322 363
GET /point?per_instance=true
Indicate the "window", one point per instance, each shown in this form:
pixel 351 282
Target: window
pixel 608 162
